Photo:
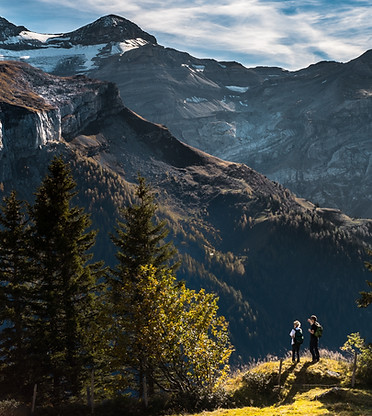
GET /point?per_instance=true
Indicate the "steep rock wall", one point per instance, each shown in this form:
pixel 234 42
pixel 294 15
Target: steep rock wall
pixel 22 132
pixel 46 112
pixel 88 106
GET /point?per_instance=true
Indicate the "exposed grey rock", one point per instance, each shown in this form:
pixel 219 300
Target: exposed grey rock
pixel 309 130
pixel 8 29
pixel 64 107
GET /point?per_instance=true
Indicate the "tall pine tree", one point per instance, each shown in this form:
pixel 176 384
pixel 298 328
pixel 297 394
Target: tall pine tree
pixel 66 283
pixel 15 300
pixel 140 242
pixel 140 238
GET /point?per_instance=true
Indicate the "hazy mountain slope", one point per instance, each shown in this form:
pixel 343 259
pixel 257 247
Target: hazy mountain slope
pixel 310 130
pixel 270 256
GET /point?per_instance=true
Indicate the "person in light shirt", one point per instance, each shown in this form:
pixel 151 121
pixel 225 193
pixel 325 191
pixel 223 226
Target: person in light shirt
pixel 297 339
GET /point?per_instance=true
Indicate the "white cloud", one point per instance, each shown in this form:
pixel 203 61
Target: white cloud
pixel 288 33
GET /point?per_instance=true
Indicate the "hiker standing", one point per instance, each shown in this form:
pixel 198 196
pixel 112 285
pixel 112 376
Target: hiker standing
pixel 313 321
pixel 297 340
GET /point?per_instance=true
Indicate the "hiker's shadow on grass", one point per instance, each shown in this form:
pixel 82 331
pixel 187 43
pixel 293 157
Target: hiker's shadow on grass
pixel 286 373
pixel 299 380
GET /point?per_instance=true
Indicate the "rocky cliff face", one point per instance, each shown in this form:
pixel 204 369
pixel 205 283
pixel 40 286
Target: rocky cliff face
pixel 240 235
pixel 39 110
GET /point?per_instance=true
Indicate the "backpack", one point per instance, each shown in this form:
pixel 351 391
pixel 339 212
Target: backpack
pixel 319 330
pixel 298 338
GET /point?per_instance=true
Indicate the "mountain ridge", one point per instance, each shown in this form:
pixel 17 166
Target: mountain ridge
pixel 8 29
pixel 307 129
pixel 240 235
pixel 109 28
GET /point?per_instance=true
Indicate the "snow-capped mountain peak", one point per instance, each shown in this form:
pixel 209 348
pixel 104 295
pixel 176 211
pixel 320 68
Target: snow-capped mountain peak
pixel 110 28
pixel 76 51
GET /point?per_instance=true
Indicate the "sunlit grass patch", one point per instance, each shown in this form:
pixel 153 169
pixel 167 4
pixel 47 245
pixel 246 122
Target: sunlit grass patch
pixel 302 407
pixel 351 403
pixel 305 389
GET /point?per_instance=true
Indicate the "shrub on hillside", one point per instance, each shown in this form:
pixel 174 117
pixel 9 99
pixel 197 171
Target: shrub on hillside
pixel 365 365
pixel 192 402
pixel 257 389
pixel 355 343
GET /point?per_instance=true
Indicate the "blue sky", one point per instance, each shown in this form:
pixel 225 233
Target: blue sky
pixel 288 33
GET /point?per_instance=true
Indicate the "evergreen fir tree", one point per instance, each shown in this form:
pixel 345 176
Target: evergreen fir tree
pixel 140 242
pixel 66 283
pixel 140 239
pixel 15 300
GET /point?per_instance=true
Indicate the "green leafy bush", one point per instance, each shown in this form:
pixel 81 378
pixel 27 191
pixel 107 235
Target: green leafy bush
pixel 355 343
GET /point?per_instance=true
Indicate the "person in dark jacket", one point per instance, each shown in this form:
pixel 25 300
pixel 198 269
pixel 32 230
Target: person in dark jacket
pixel 314 347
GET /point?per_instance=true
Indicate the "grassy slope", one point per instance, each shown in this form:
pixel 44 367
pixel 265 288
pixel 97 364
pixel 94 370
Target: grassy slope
pixel 320 389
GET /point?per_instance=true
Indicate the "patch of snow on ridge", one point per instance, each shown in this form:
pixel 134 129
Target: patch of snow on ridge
pixel 195 100
pixel 366 93
pixel 36 36
pixel 48 58
pixel 194 68
pixel 27 36
pixel 199 68
pixel 121 47
pixel 109 21
pixel 237 89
